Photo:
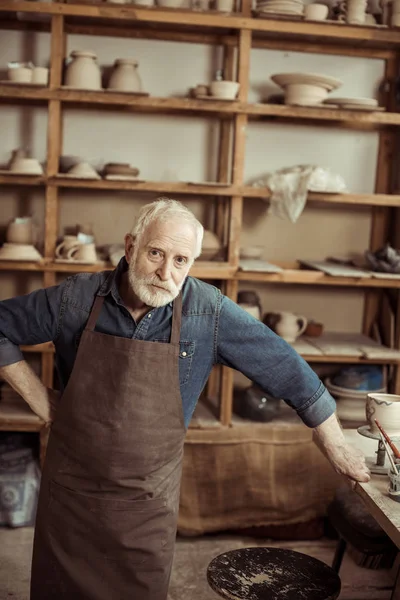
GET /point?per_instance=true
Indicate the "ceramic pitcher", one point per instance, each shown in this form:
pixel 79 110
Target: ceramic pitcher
pixel 125 76
pixel 83 71
pixel 286 324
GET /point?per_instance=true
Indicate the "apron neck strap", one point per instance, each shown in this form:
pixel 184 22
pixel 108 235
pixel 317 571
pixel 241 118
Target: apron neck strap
pixel 176 317
pixel 95 312
pixel 176 320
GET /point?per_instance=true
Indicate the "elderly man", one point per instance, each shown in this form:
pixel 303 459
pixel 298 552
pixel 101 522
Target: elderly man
pixel 134 349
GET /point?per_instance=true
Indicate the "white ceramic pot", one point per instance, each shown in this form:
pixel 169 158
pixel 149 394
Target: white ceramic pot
pixel 20 231
pixel 316 12
pixel 125 76
pixel 224 89
pixel 40 75
pixel 303 94
pixel 386 409
pixel 227 6
pixel 170 3
pixel 26 166
pixel 83 72
pixel 20 74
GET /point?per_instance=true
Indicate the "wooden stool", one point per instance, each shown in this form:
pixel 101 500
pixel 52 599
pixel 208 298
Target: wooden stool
pixel 356 527
pixel 271 574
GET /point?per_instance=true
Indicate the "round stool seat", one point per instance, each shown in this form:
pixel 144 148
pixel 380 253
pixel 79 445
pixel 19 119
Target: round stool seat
pixel 271 574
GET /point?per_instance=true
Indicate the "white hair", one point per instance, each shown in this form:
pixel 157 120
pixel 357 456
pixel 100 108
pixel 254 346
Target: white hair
pixel 166 209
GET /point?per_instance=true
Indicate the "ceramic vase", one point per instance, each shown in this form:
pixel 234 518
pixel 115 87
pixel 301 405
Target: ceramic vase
pixel 83 72
pixel 125 76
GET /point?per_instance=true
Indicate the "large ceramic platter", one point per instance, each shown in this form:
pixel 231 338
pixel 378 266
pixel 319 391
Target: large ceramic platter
pixel 362 107
pixel 284 79
pixel 358 101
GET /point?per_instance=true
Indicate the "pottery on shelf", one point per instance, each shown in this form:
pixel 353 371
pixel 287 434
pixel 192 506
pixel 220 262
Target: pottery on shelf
pixel 22 252
pixel 26 166
pixel 20 231
pixel 19 72
pixel 69 241
pixel 286 324
pixel 125 76
pixel 250 302
pixel 316 12
pixel 83 252
pixel 83 170
pixel 83 71
pixel 224 89
pixel 120 169
pixel 170 3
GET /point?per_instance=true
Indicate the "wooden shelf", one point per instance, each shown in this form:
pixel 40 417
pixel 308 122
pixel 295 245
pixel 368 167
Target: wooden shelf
pixel 17 416
pixel 213 23
pixel 294 275
pixel 189 189
pixel 182 106
pixel 202 269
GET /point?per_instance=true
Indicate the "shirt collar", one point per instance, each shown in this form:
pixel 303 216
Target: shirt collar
pixel 110 285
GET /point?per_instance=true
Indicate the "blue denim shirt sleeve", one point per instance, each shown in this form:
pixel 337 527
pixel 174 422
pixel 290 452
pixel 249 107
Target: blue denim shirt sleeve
pixel 27 320
pixel 252 348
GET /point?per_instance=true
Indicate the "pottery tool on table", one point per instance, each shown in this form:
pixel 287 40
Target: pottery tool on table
pixel 387 448
pixel 387 438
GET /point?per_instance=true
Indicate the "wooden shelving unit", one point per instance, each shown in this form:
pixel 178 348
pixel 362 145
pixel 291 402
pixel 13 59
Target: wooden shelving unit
pixel 237 34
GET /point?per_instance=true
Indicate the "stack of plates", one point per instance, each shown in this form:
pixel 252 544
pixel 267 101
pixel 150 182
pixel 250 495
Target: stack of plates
pixel 280 7
pixel 369 104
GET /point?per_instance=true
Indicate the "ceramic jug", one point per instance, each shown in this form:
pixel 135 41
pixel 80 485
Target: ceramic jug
pixel 125 76
pixel 83 71
pixel 286 324
pixel 69 241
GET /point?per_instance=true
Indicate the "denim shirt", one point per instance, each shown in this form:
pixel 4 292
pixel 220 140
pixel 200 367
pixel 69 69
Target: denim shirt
pixel 214 330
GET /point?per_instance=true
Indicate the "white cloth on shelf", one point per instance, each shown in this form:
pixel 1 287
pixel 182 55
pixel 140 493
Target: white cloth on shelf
pixel 289 188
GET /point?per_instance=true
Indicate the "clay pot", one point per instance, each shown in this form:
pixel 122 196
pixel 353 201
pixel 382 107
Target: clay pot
pixel 69 242
pixel 83 72
pixel 20 231
pixel 125 76
pixel 386 409
pixel 286 324
pixel 224 89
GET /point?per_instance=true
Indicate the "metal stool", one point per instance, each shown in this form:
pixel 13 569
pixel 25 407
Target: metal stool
pixel 271 574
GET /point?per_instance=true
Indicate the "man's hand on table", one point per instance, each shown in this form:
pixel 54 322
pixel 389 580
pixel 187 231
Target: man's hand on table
pixel 344 458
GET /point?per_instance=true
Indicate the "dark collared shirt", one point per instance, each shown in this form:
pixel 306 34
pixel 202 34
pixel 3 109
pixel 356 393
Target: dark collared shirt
pixel 214 330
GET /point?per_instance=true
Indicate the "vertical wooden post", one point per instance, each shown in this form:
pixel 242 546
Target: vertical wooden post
pixel 380 225
pixel 235 220
pixel 54 148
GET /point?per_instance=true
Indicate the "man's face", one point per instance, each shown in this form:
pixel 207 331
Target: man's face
pixel 160 263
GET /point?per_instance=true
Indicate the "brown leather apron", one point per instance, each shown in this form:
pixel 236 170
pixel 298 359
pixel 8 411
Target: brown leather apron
pixel 108 506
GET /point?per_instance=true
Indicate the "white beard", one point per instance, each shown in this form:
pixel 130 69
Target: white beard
pixel 144 289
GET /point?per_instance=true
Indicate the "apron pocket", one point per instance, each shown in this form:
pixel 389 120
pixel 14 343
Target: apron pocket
pixel 100 530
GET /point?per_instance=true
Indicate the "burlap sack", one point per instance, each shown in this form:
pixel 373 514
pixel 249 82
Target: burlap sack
pixel 253 475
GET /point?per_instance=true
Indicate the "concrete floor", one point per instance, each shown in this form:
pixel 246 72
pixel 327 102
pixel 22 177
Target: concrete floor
pixel 191 559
